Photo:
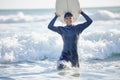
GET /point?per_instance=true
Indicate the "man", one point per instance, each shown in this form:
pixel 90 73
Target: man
pixel 70 34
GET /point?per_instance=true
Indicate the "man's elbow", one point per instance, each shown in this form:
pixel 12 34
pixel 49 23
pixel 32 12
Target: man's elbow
pixel 90 21
pixel 49 27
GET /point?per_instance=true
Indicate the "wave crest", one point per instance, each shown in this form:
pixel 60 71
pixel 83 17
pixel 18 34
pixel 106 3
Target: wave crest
pixel 36 46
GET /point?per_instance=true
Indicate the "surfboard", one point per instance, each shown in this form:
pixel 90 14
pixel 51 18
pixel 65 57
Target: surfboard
pixel 63 6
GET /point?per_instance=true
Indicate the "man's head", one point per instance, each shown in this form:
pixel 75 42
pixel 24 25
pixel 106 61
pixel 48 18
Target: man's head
pixel 68 17
pixel 68 14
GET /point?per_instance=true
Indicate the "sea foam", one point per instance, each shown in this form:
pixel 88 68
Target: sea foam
pixel 34 46
pixel 21 17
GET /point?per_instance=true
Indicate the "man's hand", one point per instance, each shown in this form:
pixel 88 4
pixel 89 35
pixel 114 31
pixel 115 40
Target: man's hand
pixel 57 14
pixel 79 12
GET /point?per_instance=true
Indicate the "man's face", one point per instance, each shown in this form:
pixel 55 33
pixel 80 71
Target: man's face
pixel 68 20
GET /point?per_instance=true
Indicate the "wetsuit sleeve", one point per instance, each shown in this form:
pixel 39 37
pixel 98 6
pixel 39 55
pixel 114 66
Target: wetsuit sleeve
pixel 54 28
pixel 81 27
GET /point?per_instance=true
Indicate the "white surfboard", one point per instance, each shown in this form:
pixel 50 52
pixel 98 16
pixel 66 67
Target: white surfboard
pixel 63 6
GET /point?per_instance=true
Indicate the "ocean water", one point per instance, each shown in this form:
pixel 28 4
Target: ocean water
pixel 29 50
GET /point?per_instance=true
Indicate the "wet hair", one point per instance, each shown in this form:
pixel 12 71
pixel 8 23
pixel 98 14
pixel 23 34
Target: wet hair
pixel 68 14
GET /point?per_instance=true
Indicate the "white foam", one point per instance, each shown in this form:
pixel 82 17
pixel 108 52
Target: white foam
pixel 36 46
pixel 99 45
pixel 105 15
pixel 21 17
pixel 33 41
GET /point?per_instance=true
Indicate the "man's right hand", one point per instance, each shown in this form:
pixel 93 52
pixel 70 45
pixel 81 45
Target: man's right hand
pixel 58 15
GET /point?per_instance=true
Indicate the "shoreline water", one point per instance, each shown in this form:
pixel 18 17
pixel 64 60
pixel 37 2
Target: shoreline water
pixel 94 69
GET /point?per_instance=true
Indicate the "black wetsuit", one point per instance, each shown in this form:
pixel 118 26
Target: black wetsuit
pixel 70 36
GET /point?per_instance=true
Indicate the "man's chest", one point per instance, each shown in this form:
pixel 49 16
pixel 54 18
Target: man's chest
pixel 69 33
